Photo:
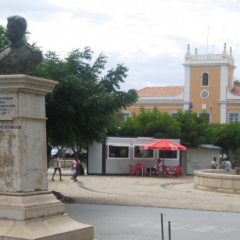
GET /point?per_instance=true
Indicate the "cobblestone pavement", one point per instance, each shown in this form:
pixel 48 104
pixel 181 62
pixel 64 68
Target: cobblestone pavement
pixel 144 191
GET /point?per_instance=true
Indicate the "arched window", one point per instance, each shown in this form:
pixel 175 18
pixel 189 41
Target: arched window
pixel 205 80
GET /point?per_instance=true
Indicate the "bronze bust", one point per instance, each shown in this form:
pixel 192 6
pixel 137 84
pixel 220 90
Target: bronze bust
pixel 19 56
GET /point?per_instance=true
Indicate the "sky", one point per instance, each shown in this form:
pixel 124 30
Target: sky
pixel 149 37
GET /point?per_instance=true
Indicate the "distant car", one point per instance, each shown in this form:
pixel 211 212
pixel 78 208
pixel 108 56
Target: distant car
pixel 53 153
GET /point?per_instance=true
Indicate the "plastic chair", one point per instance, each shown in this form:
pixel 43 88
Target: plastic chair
pixel 176 170
pixel 133 169
pixel 180 169
pixel 139 170
pixel 155 172
pixel 165 171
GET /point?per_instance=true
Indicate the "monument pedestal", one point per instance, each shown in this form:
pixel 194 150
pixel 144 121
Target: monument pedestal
pixel 28 210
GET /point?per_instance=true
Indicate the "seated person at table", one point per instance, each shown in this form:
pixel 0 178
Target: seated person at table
pixel 227 165
pixel 214 163
pixel 156 167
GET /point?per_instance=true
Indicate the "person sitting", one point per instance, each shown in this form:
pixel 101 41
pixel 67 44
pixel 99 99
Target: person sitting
pixel 227 165
pixel 214 163
pixel 156 167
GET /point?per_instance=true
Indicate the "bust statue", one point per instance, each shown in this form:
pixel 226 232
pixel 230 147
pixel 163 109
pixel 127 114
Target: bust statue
pixel 18 57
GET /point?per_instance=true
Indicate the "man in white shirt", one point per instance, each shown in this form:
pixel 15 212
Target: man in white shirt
pixel 214 163
pixel 227 165
pixel 57 167
pixel 158 166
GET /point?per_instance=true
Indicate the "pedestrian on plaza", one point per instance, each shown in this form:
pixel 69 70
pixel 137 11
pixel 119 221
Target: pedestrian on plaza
pixel 77 168
pixel 74 170
pixel 57 167
pixel 214 163
pixel 235 164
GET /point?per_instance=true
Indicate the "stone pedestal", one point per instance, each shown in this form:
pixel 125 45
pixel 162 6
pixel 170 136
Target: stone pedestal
pixel 28 210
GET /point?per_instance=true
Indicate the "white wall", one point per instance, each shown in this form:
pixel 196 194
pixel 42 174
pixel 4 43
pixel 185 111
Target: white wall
pixel 121 165
pixel 95 159
pixel 198 158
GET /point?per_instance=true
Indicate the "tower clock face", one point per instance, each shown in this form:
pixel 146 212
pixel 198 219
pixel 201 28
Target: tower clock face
pixel 204 94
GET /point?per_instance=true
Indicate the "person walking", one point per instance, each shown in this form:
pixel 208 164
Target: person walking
pixel 57 167
pixel 74 169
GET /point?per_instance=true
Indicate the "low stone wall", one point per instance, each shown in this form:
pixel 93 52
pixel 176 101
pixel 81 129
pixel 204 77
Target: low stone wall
pixel 217 180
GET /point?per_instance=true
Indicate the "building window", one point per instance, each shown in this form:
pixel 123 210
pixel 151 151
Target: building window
pixel 118 151
pixel 233 117
pixel 139 153
pixel 123 116
pixel 167 154
pixel 205 80
pixel 207 116
pixel 173 113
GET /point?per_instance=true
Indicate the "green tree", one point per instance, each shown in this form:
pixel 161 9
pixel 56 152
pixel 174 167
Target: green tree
pixel 83 106
pixel 194 130
pixel 236 82
pixel 151 124
pixel 228 137
pixel 3 37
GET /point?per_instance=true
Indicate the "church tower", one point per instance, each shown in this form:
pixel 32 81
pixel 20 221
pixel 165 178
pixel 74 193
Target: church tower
pixel 208 85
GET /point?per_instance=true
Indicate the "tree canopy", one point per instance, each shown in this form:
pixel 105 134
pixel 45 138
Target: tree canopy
pixel 151 124
pixel 3 38
pixel 82 107
pixel 191 129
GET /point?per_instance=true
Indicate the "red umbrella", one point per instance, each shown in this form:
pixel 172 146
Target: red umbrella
pixel 164 144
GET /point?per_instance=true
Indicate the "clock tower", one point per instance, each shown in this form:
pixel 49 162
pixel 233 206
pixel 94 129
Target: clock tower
pixel 208 84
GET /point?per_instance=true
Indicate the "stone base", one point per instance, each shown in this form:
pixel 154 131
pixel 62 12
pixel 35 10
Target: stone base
pixel 38 215
pixel 53 228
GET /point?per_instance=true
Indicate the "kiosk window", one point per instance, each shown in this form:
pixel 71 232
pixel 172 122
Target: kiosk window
pixel 139 153
pixel 167 154
pixel 118 152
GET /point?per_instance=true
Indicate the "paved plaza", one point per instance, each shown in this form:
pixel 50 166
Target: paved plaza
pixel 124 207
pixel 145 192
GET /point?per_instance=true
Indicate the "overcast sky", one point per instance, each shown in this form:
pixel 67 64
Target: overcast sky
pixel 149 37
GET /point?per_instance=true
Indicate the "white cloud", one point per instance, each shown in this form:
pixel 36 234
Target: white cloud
pixel 138 29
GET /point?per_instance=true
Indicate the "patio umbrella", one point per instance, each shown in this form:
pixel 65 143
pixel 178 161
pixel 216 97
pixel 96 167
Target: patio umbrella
pixel 164 144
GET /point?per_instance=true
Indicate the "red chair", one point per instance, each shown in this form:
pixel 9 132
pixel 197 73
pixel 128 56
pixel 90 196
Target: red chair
pixel 180 169
pixel 165 170
pixel 133 169
pixel 176 170
pixel 213 167
pixel 155 172
pixel 139 167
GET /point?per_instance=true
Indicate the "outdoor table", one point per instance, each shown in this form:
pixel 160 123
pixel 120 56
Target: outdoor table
pixel 144 169
pixel 171 170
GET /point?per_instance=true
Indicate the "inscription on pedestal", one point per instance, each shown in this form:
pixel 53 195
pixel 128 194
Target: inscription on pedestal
pixel 7 105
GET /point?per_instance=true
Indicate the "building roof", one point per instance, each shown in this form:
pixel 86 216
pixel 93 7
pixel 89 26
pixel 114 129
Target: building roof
pixel 236 90
pixel 209 147
pixel 160 91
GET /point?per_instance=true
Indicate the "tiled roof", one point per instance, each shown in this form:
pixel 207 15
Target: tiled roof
pixel 160 91
pixel 236 90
